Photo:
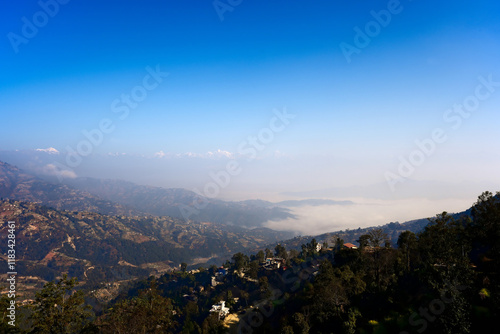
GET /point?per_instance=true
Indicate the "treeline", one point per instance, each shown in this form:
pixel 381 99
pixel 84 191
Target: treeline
pixel 441 280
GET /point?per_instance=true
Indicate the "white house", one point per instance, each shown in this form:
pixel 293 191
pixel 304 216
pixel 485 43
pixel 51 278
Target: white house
pixel 221 309
pixel 318 247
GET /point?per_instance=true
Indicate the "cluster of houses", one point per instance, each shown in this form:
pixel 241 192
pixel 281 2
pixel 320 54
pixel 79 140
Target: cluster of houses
pixel 271 263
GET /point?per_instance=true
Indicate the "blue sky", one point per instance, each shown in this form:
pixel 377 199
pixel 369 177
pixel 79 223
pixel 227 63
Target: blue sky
pixel 354 119
pixel 226 76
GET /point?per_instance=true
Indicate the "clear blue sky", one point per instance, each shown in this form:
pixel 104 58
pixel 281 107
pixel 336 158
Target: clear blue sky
pixel 226 76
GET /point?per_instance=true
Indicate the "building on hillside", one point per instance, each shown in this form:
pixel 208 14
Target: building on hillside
pixel 273 263
pixel 214 281
pixel 220 309
pixel 219 276
pixel 318 247
pixel 221 272
pixel 350 246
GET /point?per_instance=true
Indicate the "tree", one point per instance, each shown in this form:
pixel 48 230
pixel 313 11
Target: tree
pixel 212 325
pixel 212 269
pixel 253 269
pixel 280 251
pixel 245 295
pixel 446 267
pixel 376 237
pixel 260 256
pixel 309 249
pixel 293 253
pixel 60 309
pixel 484 233
pixel 442 242
pixel 240 261
pixel 287 330
pixel 148 313
pixel 191 312
pixel 264 286
pixel 334 289
pixel 486 228
pixel 183 267
pixel 349 324
pixel 407 244
pixel 363 241
pixel 313 246
pixel 300 322
pixel 339 243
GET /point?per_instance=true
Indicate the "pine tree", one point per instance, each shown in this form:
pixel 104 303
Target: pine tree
pixel 58 309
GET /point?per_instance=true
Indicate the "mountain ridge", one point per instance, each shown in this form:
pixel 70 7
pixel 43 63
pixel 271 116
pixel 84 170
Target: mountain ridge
pixel 172 201
pixel 17 184
pixel 126 198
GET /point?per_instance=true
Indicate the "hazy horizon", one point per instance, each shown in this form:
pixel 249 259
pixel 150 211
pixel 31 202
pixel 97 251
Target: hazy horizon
pixel 391 104
pixel 372 204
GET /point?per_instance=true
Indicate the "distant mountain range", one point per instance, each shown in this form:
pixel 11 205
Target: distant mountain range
pixel 116 197
pixel 171 202
pixel 168 202
pixel 19 185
